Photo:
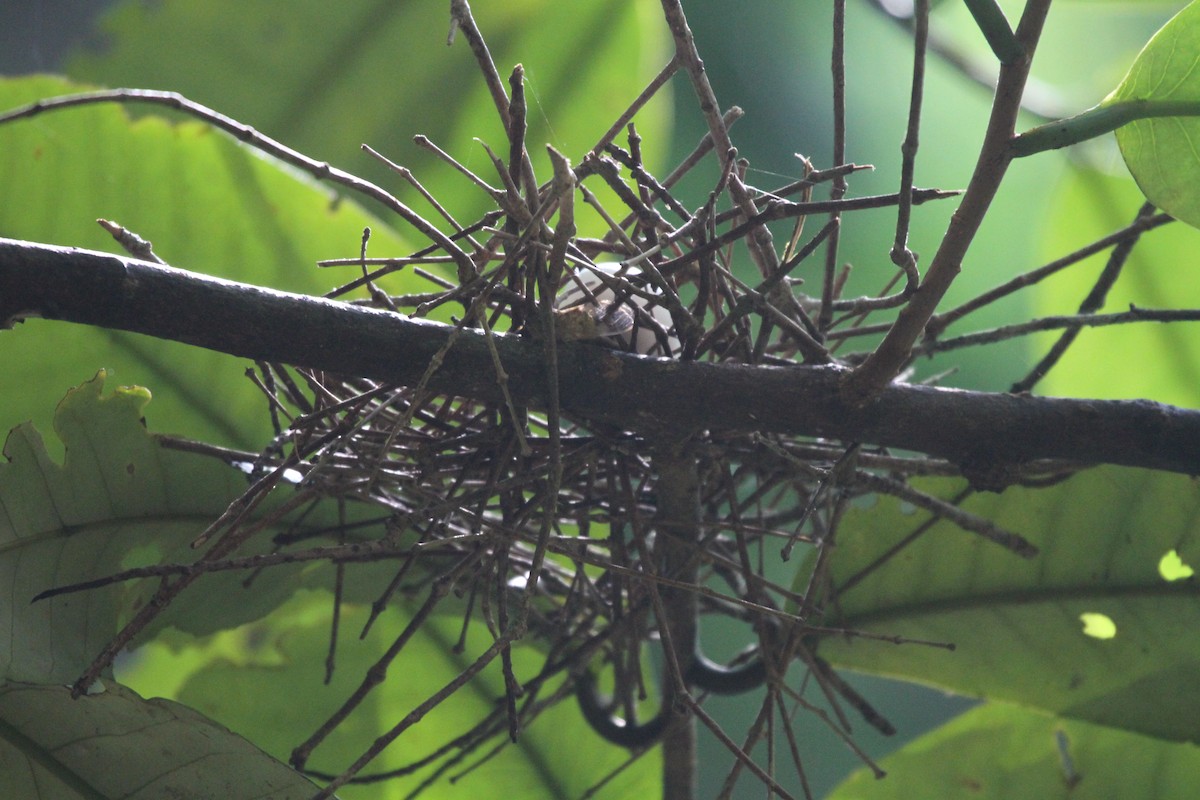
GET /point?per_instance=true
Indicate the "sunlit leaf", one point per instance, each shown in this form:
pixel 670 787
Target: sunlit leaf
pixel 283 657
pixel 381 73
pixel 1163 153
pixel 999 750
pixel 1146 359
pixel 207 203
pixel 1016 623
pixel 119 500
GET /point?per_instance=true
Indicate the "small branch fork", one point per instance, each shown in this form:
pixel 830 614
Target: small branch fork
pixel 583 495
pixel 895 351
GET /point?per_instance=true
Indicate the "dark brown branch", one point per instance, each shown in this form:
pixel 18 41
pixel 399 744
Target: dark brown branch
pixel 994 157
pixel 985 433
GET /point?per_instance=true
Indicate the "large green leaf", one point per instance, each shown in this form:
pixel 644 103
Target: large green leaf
pixel 119 500
pixel 282 657
pixel 209 205
pixel 1019 625
pixel 1163 153
pixel 380 72
pixel 1004 751
pixel 115 744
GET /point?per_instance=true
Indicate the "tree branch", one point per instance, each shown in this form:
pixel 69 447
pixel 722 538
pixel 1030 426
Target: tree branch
pixel 986 434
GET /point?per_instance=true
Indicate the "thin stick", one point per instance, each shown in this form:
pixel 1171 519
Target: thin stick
pixel 245 133
pixel 1093 302
pixel 885 362
pixel 1140 225
pixel 838 188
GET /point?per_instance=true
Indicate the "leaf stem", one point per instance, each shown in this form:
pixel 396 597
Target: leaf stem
pixel 1097 121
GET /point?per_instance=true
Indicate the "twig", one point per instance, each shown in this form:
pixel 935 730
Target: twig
pixel 837 191
pixel 1140 225
pixel 886 361
pixel 1069 321
pixel 244 133
pixel 1093 302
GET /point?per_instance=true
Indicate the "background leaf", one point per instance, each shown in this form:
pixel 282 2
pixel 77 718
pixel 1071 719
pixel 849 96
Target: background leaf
pixel 282 656
pixel 55 748
pixel 380 73
pixel 1000 750
pixel 118 500
pixel 1016 624
pixel 209 205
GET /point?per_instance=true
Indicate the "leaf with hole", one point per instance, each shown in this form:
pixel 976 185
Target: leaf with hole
pixel 1018 626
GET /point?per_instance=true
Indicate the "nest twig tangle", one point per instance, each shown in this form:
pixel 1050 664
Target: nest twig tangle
pixel 586 539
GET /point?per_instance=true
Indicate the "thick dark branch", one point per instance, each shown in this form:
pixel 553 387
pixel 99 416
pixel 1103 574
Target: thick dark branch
pixel 985 433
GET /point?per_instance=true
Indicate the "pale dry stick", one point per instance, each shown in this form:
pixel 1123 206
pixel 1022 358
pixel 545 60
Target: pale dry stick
pixel 760 242
pixel 613 228
pixel 886 361
pixel 793 746
pixel 609 171
pixel 848 584
pixel 783 209
pixel 169 591
pixel 758 299
pixel 248 135
pixel 703 148
pixel 518 127
pixel 384 261
pixel 806 196
pixel 759 239
pixel 346 553
pixel 481 224
pixel 415 716
pixel 846 738
pixel 502 382
pixel 616 771
pixel 646 181
pixel 135 245
pixel 811 178
pixel 861 306
pixel 971 523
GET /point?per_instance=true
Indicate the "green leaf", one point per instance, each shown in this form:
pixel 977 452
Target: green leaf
pixel 115 744
pixel 998 750
pixel 208 203
pixel 119 500
pixel 1018 625
pixel 1163 153
pixel 282 657
pixel 1120 361
pixel 381 73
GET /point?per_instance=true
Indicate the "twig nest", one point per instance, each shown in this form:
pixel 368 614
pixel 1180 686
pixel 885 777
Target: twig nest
pixel 608 309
